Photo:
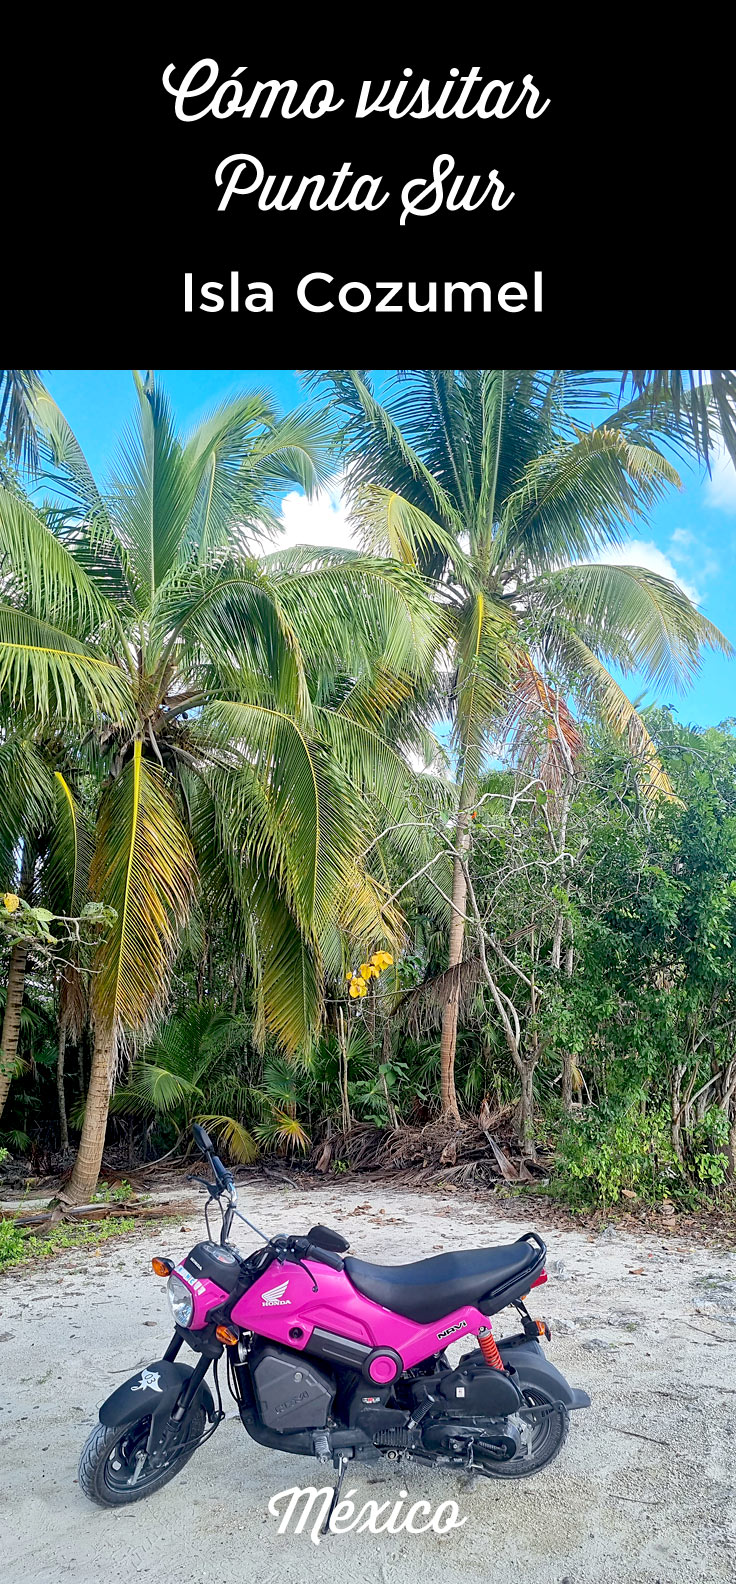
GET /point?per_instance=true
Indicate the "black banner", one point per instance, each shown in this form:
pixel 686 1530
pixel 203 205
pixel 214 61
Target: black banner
pixel 241 195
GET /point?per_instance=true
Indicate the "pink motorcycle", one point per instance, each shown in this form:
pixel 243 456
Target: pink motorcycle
pixel 337 1359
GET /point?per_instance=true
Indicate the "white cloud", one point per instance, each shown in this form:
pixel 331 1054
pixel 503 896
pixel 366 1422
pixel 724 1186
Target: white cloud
pixel 644 553
pixel 720 489
pixel 693 555
pixel 321 521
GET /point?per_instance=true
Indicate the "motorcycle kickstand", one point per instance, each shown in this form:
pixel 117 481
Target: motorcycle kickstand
pixel 341 1467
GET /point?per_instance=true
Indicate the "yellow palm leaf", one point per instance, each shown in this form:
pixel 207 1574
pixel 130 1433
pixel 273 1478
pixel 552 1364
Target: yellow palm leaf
pixel 144 868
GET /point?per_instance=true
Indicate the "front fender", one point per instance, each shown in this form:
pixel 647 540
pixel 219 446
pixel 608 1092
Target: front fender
pixel 154 1390
pixel 534 1369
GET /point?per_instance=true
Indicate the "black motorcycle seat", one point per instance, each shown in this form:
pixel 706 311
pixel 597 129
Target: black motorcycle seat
pixel 429 1289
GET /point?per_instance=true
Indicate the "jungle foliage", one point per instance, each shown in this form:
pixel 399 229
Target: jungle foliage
pixel 232 895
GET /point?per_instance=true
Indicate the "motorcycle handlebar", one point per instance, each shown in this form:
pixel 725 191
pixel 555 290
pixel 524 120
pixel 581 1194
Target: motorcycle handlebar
pixel 303 1249
pixel 324 1256
pixel 221 1172
pixel 203 1141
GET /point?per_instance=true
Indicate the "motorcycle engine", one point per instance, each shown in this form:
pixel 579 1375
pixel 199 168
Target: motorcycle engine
pixel 474 1388
pixel 292 1394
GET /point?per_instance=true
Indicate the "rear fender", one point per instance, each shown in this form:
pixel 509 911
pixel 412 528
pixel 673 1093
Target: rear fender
pixel 534 1369
pixel 154 1390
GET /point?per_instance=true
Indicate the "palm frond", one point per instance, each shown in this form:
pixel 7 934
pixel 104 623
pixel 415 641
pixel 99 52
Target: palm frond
pixel 532 702
pixel 390 525
pixel 230 616
pixel 281 1131
pixel 27 797
pixel 297 449
pixel 579 496
pixel 374 440
pixel 246 862
pixel 320 820
pixel 374 766
pixel 154 1091
pixel 48 673
pixel 225 500
pixel 18 389
pixel 153 492
pixel 291 976
pixel 83 523
pixel 144 868
pixel 67 866
pixel 346 608
pixel 41 571
pixel 238 458
pixel 700 396
pixel 602 690
pixel 629 615
pixel 234 1139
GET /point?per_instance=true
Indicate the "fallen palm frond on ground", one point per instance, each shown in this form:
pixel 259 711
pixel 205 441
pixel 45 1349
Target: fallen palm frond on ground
pixel 57 1213
pixel 478 1150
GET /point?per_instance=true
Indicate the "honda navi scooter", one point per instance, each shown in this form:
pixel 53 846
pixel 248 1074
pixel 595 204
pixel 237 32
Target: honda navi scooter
pixel 337 1359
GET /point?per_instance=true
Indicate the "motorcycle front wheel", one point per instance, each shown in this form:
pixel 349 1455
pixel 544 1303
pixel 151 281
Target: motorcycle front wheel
pixel 110 1458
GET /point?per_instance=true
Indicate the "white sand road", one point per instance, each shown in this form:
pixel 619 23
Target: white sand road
pixel 642 1491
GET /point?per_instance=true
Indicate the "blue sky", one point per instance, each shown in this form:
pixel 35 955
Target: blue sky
pixel 691 535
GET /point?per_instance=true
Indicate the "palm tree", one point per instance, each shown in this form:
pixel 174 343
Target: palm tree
pixel 486 481
pixel 139 615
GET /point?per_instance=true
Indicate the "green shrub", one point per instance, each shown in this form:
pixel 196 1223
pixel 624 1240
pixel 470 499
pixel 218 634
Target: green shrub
pixel 117 1195
pixel 16 1248
pixel 12 1244
pixel 610 1151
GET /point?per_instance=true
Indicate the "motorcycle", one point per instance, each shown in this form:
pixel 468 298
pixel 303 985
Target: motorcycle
pixel 338 1359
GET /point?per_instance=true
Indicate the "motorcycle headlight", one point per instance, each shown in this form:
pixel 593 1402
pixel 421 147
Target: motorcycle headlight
pixel 181 1300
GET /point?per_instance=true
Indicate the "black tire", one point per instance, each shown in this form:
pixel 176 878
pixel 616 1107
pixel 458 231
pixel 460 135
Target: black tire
pixel 547 1440
pixel 108 1460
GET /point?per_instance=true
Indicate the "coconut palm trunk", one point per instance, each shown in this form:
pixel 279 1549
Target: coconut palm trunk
pixel 448 1037
pixel 11 1019
pixel 60 1054
pixel 87 1165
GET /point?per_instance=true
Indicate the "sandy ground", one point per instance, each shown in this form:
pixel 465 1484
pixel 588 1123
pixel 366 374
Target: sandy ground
pixel 643 1490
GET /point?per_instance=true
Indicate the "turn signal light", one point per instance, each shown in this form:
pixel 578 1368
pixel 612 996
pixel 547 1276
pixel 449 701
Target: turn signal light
pixel 225 1334
pixel 162 1267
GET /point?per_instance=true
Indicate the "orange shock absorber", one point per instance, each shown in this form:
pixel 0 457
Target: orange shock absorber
pixel 489 1349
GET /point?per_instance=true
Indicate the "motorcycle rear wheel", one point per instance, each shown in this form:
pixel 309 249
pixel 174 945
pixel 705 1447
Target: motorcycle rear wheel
pixel 547 1438
pixel 108 1460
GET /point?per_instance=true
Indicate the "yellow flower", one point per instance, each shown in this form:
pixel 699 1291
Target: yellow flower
pixel 349 976
pixel 358 987
pixel 11 902
pixel 381 960
pixel 367 971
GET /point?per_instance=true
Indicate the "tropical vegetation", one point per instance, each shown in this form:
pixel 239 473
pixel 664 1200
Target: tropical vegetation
pixel 303 842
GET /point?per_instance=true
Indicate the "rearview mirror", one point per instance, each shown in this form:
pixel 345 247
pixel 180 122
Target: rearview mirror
pixel 323 1237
